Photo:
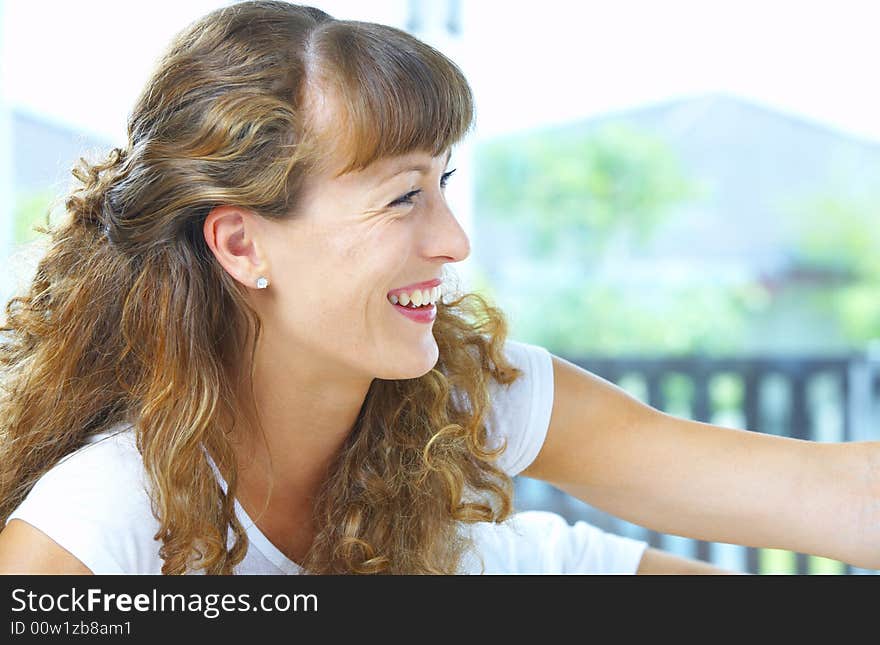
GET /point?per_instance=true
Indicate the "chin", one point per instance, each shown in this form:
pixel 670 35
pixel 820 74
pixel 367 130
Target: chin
pixel 416 366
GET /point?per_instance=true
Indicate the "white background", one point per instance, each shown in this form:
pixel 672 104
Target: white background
pixel 84 62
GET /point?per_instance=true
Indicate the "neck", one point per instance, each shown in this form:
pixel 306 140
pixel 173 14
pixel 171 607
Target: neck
pixel 306 414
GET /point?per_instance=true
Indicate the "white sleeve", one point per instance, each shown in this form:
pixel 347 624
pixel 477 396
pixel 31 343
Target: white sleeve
pixel 520 412
pixel 94 504
pixel 541 542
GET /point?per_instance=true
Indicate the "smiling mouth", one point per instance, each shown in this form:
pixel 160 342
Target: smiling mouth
pixel 422 314
pixel 417 297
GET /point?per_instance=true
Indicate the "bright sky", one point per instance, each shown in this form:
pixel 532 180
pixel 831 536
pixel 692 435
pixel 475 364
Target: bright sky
pixel 85 62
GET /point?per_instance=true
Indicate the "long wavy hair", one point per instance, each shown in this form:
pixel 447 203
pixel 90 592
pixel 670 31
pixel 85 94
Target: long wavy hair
pixel 130 319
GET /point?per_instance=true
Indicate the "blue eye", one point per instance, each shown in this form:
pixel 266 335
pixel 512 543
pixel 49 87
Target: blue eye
pixel 407 199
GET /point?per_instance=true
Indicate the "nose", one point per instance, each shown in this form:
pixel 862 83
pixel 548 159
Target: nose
pixel 443 235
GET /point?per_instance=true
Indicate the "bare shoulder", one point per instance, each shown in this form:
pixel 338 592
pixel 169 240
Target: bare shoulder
pixel 25 549
pixel 590 419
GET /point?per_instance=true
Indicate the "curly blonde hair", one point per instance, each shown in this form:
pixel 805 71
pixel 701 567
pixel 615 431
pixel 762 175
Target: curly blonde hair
pixel 129 318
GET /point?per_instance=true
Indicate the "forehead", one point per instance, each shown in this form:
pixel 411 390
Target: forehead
pixel 385 169
pixel 363 187
pixel 368 144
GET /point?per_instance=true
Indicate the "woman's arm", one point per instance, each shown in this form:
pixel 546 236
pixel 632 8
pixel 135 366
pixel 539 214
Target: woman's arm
pixel 708 482
pixel 657 562
pixel 25 549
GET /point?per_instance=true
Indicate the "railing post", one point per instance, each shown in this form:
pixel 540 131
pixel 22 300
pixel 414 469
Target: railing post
pixel 862 402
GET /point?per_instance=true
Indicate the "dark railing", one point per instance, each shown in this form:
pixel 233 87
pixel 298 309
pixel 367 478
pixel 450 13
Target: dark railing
pixel 821 399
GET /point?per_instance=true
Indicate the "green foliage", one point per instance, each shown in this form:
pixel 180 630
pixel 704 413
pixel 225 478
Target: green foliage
pixel 589 200
pixel 779 562
pixel 601 319
pixel 583 185
pixel 31 210
pixel 838 235
pixel 582 198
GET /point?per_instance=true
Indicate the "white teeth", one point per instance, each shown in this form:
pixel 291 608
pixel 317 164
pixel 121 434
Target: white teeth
pixel 418 297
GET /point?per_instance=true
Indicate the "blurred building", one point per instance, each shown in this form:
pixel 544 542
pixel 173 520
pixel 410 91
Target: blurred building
pixel 756 172
pixel 43 153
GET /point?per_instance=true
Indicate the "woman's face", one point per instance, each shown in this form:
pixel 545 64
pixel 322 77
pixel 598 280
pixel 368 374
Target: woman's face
pixel 353 241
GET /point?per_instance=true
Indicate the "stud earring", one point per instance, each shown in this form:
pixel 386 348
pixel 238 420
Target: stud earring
pixel 262 283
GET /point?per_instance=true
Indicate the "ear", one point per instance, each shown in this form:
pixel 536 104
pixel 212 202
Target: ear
pixel 232 234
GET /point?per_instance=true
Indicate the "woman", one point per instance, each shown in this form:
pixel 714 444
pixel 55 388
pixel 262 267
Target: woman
pixel 227 350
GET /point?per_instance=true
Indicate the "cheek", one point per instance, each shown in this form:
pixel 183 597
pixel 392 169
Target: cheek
pixel 329 253
pixel 374 245
pixel 394 234
pixel 351 260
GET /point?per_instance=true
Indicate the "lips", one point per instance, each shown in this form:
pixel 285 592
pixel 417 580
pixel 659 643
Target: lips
pixel 428 284
pixel 419 314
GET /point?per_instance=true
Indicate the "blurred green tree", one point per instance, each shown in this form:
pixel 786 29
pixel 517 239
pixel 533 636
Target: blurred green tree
pixel 580 188
pixel 31 209
pixel 839 239
pixel 580 198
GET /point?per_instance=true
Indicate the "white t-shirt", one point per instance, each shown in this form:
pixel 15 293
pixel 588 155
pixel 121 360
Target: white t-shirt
pixel 94 502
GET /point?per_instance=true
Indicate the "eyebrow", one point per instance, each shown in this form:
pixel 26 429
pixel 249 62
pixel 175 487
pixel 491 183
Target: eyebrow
pixel 418 167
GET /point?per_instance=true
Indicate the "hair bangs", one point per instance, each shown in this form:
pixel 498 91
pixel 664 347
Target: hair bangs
pixel 391 94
